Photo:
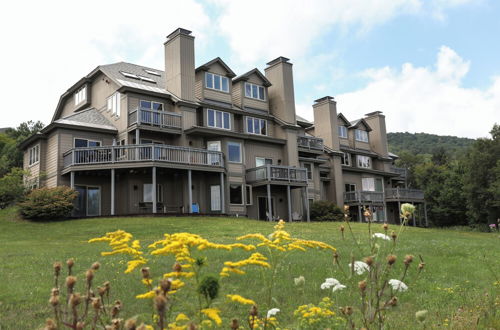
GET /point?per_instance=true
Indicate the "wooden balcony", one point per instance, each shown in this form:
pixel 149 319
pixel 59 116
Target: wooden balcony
pixel 399 170
pixel 310 143
pixel 142 154
pixel 275 174
pixel 155 118
pixel 402 194
pixel 360 197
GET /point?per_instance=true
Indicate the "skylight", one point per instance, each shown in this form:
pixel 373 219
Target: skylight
pixel 147 79
pixel 154 73
pixel 129 75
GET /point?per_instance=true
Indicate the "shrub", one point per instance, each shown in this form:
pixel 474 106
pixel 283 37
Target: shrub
pixel 48 203
pixel 326 211
pixel 11 187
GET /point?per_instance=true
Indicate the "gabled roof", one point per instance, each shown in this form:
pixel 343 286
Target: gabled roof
pixel 206 67
pixel 303 121
pixel 344 119
pixel 357 122
pixel 245 76
pixel 87 118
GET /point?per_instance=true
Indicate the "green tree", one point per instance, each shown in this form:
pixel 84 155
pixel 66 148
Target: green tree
pixel 11 187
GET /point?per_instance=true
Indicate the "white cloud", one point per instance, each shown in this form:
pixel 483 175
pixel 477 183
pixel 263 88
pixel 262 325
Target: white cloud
pixel 423 99
pixel 48 45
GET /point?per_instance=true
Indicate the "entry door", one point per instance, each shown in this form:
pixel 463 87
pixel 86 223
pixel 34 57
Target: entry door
pixel 88 202
pixel 214 146
pixel 261 172
pixel 215 200
pixel 263 208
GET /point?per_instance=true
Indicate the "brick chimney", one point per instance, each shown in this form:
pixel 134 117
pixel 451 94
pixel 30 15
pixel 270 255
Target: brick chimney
pixel 179 64
pixel 281 94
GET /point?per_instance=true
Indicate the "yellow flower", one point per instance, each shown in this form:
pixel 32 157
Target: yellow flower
pixel 133 264
pixel 213 314
pixel 179 274
pixel 147 281
pixel 181 317
pixel 240 299
pixel 148 295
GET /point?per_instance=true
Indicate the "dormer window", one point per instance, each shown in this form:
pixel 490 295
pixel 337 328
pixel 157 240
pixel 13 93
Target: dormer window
pixel 217 82
pixel 34 155
pixel 81 95
pixel 364 161
pixel 255 92
pixel 342 132
pixel 361 135
pixel 256 126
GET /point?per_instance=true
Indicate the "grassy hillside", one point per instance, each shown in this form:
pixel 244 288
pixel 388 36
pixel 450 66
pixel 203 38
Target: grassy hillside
pixel 456 286
pixel 423 143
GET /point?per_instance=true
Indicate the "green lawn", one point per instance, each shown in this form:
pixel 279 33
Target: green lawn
pixel 456 284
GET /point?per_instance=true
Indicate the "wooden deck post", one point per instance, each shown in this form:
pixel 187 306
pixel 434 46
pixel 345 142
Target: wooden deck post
pixel 289 197
pixel 190 192
pixel 308 216
pixel 399 211
pixel 222 197
pixel 269 204
pixel 72 180
pixel 425 215
pixel 112 191
pixel 154 189
pixel 137 139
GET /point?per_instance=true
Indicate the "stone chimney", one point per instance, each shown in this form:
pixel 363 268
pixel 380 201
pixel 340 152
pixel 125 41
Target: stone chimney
pixel 179 64
pixel 281 94
pixel 325 121
pixel 378 135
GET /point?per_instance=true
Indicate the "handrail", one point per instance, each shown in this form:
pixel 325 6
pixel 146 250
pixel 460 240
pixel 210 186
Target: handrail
pixel 310 142
pixel 157 118
pixel 270 172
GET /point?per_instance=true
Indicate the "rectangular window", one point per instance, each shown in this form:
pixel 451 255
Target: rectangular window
pixel 350 187
pixel 345 159
pixel 236 194
pixel 218 119
pixel 364 161
pixel 255 91
pixel 234 152
pixel 215 200
pixel 368 184
pixel 261 161
pixel 309 168
pixel 256 126
pixel 34 154
pixel 342 132
pixel 361 135
pixel 85 143
pixel 147 193
pixel 81 95
pixel 114 104
pixel 159 193
pixel 151 105
pixel 217 82
pixel 248 194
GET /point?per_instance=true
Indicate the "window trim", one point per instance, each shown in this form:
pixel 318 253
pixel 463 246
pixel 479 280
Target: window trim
pixel 264 158
pixel 117 111
pixel 248 194
pixel 88 140
pixel 359 139
pixel 213 82
pixel 258 92
pixel 162 105
pixel 366 157
pixel 347 156
pixel 241 152
pixel 342 128
pixel 260 120
pixel 37 147
pixel 80 99
pixel 242 193
pixel 311 171
pixel 352 185
pixel 222 119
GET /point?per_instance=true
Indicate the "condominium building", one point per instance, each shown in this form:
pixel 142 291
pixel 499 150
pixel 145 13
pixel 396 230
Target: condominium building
pixel 136 140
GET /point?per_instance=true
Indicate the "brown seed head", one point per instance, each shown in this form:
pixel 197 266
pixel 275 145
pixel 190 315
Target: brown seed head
pixel 192 326
pixel 393 301
pixel 70 282
pixel 177 267
pixel 346 209
pixel 408 260
pixel 165 285
pixel 391 259
pixel 367 213
pixel 349 310
pixel 335 257
pixel 160 303
pixel 421 265
pixel 342 228
pixel 362 285
pixel 57 268
pixel 80 325
pixel 89 276
pixel 253 311
pixel 235 324
pixel 116 324
pixel 394 236
pixel 96 303
pixel 70 263
pixel 54 292
pixel 115 311
pixel 369 261
pixel 54 301
pixel 95 266
pixel 50 325
pixel 131 324
pixel 385 226
pixel 142 327
pixel 107 286
pixel 75 299
pixel 101 290
pixel 145 272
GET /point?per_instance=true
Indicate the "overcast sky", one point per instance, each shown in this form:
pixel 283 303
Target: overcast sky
pixel 430 65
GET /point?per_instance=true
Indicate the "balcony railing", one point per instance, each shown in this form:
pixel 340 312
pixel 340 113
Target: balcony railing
pixel 141 153
pixel 363 196
pixel 277 173
pixel 404 194
pixel 310 142
pixel 162 119
pixel 399 170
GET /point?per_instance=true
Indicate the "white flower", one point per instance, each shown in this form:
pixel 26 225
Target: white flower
pixel 382 236
pixel 397 285
pixel 339 287
pixel 299 280
pixel 360 267
pixel 272 312
pixel 329 282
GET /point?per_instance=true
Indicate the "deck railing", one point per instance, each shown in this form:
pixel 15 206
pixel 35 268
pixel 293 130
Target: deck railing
pixel 276 173
pixel 403 193
pixel 143 152
pixel 310 142
pixel 363 196
pixel 162 119
pixel 399 170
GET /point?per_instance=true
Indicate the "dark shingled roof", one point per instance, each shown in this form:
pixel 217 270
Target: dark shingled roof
pixel 88 118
